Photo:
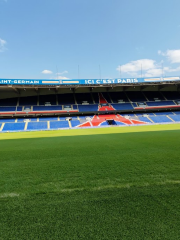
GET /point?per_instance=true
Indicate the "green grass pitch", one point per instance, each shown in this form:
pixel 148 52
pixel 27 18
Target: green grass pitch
pixel 107 183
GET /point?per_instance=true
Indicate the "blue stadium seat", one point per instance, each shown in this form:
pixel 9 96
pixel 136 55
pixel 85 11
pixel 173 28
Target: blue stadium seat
pixel 59 124
pixel 177 112
pixel 19 109
pixel 13 127
pixel 47 108
pixel 75 123
pixel 37 126
pixel 122 106
pixel 62 118
pixel 25 101
pixel 160 119
pixel 104 124
pixel 176 118
pixel 75 107
pixel 88 108
pixel 163 113
pixel 7 109
pixel 144 119
pixel 7 120
pixel 120 123
pixel 42 119
pixel 23 119
pixel 160 103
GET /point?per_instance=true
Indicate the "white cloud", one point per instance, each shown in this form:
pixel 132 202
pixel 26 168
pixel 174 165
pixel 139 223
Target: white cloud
pixel 62 73
pixel 133 67
pixel 62 77
pixel 150 68
pixel 47 72
pixel 2 45
pixel 172 55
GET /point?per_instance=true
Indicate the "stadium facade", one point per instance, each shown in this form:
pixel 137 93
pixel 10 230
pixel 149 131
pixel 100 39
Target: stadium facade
pixel 32 104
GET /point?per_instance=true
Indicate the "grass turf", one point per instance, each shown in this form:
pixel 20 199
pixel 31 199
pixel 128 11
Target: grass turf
pixel 112 183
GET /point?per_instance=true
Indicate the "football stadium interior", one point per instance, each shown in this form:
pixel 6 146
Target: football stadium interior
pixel 114 175
pixel 50 107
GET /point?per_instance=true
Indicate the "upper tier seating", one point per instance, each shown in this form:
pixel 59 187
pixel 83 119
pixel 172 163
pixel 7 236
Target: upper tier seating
pixel 66 99
pixel 19 109
pixel 47 108
pixel 171 95
pixel 107 96
pixel 136 96
pixel 7 109
pixel 28 101
pixel 47 99
pixel 88 108
pixel 115 96
pixel 8 102
pixel 13 127
pixel 151 96
pixel 81 97
pixel 122 106
pixel 160 103
pixel 95 97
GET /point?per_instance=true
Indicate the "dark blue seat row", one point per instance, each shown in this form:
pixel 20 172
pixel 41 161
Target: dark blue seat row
pixel 47 108
pixel 122 106
pixel 160 103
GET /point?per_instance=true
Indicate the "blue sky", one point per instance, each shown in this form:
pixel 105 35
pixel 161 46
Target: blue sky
pixel 50 38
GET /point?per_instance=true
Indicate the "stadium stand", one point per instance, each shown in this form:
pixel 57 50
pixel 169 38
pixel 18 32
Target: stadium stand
pixel 65 99
pixel 59 124
pixel 160 103
pixel 7 109
pixel 154 95
pixel 175 118
pixel 160 119
pixel 83 98
pixel 47 108
pixel 122 106
pixel 75 123
pixel 88 108
pixel 43 112
pixel 136 96
pixel 8 102
pixel 37 126
pixel 47 99
pixel 13 127
pixel 28 101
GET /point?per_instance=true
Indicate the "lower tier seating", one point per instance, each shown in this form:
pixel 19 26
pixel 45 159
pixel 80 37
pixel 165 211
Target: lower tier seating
pixel 13 127
pixel 37 126
pixel 46 123
pixel 59 124
pixel 160 119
